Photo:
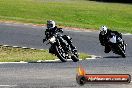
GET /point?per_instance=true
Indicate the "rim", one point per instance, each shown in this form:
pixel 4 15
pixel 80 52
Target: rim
pixel 122 50
pixel 62 53
pixel 75 53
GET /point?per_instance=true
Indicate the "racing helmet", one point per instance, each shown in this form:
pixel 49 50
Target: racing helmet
pixel 50 24
pixel 103 30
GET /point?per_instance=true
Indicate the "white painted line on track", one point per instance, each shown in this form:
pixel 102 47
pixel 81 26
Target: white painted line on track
pixel 6 45
pixel 24 47
pixel 15 46
pixel 8 85
pixel 93 57
pixel 41 49
pixel 40 61
pixel 90 58
pixel 32 48
pixel 13 62
pixel 52 60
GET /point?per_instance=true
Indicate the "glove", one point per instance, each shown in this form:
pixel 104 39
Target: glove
pixel 60 30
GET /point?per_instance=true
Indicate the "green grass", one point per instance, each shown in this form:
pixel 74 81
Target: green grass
pixel 73 13
pixel 84 56
pixel 9 54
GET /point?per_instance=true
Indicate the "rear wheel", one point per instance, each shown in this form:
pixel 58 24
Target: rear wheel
pixel 75 56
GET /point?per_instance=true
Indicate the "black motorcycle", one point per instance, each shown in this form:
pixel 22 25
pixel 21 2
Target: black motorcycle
pixel 117 45
pixel 60 46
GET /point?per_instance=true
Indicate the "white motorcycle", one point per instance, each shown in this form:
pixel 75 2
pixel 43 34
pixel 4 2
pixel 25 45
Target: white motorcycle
pixel 117 45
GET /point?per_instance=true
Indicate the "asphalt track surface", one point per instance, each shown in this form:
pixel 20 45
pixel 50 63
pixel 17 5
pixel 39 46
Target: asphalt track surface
pixel 57 74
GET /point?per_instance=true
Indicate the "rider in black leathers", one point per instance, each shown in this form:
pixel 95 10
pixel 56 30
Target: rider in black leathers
pixel 52 29
pixel 104 36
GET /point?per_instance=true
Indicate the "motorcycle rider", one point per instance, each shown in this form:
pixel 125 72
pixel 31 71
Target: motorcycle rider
pixel 104 36
pixel 52 28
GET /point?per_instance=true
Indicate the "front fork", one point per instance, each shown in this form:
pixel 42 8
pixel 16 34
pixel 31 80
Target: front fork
pixel 69 41
pixel 63 43
pixel 116 50
pixel 60 44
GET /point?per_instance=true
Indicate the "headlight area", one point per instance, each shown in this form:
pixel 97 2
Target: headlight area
pixel 69 37
pixel 52 39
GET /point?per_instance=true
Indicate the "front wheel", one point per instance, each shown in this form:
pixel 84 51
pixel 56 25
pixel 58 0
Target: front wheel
pixel 61 53
pixel 121 51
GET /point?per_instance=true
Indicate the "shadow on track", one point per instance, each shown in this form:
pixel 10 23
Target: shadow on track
pixel 47 62
pixel 51 62
pixel 112 57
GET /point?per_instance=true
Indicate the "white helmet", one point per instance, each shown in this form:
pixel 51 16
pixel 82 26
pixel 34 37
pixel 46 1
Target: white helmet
pixel 103 30
pixel 50 24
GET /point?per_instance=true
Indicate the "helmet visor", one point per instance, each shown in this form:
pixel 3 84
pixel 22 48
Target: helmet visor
pixel 49 25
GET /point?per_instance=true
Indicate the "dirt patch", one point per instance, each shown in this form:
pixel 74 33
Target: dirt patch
pixel 67 28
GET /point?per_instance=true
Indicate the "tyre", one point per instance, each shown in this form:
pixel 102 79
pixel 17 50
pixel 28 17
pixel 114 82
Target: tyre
pixel 75 57
pixel 121 51
pixel 123 55
pixel 60 54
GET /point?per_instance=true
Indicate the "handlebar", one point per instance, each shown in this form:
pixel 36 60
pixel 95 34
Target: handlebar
pixel 54 33
pixel 59 30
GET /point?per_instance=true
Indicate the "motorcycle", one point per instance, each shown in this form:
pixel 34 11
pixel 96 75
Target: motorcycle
pixel 117 45
pixel 61 47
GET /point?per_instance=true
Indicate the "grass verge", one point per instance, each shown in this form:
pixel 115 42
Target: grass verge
pixel 72 13
pixel 10 54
